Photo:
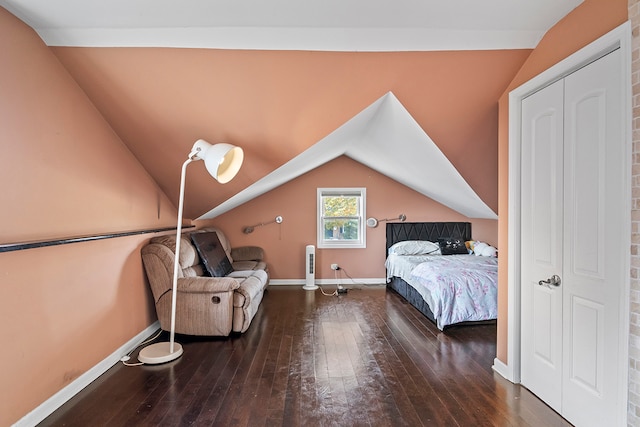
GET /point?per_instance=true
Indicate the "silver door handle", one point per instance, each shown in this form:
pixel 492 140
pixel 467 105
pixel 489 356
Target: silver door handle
pixel 551 281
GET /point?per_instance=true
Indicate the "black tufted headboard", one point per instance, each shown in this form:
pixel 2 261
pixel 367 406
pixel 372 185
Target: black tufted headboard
pixel 431 231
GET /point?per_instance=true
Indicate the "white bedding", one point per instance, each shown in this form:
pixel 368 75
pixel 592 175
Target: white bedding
pixel 457 288
pixel 402 265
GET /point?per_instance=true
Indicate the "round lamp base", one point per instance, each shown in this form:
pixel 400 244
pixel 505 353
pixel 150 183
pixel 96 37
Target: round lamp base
pixel 160 353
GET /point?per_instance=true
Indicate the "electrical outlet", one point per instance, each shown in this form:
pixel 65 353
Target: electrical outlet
pixel 335 267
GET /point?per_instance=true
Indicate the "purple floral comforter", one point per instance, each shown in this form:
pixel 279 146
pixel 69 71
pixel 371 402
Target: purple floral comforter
pixel 458 288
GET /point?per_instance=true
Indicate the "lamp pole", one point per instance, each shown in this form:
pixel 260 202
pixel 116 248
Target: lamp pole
pixel 176 262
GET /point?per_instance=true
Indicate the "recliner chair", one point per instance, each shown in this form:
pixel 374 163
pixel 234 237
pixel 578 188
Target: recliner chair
pixel 205 305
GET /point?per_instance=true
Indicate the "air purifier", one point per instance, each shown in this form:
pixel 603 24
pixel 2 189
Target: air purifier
pixel 310 269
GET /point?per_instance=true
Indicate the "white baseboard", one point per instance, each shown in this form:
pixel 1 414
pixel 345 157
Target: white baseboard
pixel 502 369
pixel 347 283
pixel 57 400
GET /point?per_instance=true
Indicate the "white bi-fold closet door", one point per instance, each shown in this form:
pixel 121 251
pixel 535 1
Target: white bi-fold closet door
pixel 573 197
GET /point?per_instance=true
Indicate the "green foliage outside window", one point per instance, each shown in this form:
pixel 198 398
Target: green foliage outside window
pixel 340 217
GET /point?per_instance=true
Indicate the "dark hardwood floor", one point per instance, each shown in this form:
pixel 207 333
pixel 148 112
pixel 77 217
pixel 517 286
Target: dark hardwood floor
pixel 365 358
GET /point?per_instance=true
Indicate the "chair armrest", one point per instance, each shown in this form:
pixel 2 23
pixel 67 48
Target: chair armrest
pixel 247 253
pixel 207 284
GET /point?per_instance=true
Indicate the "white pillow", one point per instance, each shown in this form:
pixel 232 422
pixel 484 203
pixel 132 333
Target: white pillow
pixel 483 249
pixel 489 251
pixel 479 247
pixel 415 247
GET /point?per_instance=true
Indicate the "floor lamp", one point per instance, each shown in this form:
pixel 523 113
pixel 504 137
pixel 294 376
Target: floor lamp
pixel 223 162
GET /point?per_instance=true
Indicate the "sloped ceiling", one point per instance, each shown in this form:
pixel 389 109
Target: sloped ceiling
pixel 387 139
pixel 276 105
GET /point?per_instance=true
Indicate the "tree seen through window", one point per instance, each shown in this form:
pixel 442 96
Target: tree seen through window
pixel 340 217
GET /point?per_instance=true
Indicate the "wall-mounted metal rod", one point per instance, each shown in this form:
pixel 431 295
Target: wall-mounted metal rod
pixel 401 217
pixel 9 247
pixel 372 222
pixel 250 228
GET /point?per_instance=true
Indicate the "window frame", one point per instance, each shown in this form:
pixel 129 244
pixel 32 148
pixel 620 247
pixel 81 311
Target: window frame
pixel 361 242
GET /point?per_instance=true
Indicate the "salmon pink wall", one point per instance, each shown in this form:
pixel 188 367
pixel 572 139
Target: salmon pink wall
pixel 296 203
pixel 586 23
pixel 65 309
pixel 64 173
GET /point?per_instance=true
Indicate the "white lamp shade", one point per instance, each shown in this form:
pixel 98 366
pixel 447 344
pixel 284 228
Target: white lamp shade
pixel 223 161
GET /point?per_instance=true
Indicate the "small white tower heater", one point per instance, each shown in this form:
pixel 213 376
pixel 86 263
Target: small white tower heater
pixel 310 269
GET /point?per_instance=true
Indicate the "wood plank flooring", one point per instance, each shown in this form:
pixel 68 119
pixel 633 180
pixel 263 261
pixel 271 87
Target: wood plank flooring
pixel 365 358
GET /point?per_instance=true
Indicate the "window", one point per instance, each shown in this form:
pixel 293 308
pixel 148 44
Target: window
pixel 341 217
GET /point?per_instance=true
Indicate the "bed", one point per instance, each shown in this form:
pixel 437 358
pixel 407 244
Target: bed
pixel 448 289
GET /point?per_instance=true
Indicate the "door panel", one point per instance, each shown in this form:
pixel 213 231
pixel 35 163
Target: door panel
pixel 541 252
pixel 585 174
pixel 594 258
pixel 544 348
pixel 586 367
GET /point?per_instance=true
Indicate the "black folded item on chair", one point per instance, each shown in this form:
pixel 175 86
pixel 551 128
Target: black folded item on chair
pixel 212 253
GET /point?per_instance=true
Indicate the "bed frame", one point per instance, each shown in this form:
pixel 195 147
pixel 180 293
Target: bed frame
pixel 431 231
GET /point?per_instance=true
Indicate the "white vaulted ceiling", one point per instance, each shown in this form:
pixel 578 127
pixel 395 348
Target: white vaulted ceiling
pixel 387 139
pixel 351 25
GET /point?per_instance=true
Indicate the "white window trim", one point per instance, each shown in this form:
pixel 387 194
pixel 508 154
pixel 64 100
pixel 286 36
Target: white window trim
pixel 342 244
